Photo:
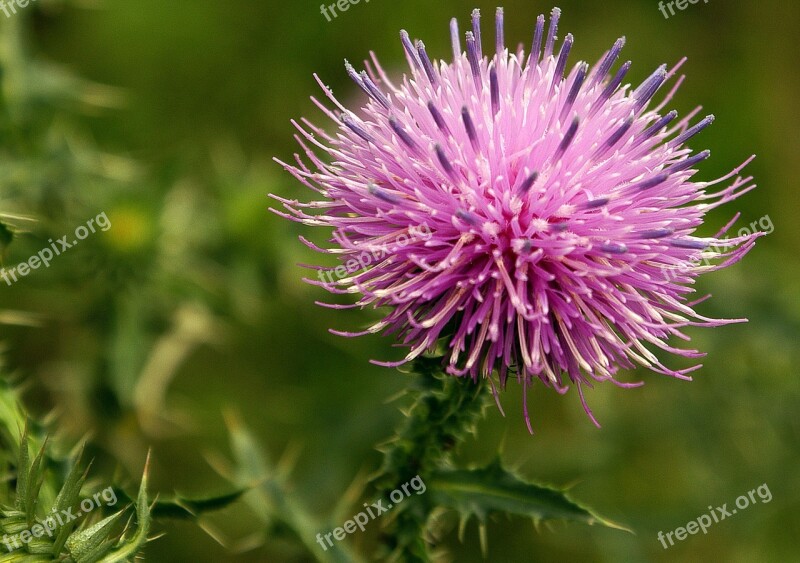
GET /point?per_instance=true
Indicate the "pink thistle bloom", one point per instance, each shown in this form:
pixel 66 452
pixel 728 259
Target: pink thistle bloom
pixel 534 220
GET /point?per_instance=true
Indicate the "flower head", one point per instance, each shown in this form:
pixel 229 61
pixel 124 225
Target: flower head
pixel 558 208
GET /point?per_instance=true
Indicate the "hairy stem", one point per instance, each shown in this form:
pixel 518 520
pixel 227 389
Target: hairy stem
pixel 444 411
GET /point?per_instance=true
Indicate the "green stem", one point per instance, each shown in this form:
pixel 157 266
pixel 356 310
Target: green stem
pixel 445 410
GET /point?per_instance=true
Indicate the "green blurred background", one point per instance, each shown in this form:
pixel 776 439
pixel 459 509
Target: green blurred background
pixel 192 306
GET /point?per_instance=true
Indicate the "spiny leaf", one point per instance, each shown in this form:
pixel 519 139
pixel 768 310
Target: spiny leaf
pixel 181 507
pixel 68 496
pixel 12 417
pixel 132 546
pixel 85 546
pixel 34 485
pixel 23 470
pixel 493 488
pixel 270 499
pixel 251 461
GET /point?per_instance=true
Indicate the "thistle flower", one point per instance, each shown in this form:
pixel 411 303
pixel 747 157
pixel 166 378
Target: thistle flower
pixel 560 208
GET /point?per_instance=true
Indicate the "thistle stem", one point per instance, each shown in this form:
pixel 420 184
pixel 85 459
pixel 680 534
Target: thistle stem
pixel 444 411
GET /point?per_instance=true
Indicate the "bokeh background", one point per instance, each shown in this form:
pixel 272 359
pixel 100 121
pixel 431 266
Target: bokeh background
pixel 189 315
